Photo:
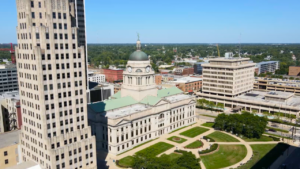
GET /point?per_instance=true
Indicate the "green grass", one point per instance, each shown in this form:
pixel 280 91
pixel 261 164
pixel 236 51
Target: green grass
pixel 172 156
pixel 181 128
pixel 208 124
pixel 227 155
pixel 194 144
pixel 126 161
pixel 180 141
pixel 156 149
pixel 222 137
pixel 264 155
pixel 262 138
pixel 193 132
pixel 277 129
pixel 208 115
pixel 138 146
pixel 277 136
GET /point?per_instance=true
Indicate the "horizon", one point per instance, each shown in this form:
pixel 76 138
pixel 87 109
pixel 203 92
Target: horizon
pixel 270 21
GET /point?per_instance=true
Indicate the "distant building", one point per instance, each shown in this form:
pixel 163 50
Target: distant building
pixel 113 75
pixel 198 67
pixel 158 79
pixel 10 111
pixel 268 66
pixel 98 78
pixel 184 71
pixel 8 78
pixel 294 71
pixel 10 154
pixel 283 85
pixel 188 84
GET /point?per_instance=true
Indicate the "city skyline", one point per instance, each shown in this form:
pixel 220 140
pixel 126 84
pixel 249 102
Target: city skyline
pixel 174 22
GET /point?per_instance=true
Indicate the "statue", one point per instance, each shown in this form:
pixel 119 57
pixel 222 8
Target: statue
pixel 138 35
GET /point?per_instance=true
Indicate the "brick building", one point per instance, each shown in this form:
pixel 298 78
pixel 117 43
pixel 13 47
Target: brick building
pixel 188 84
pixel 294 71
pixel 113 75
pixel 158 79
pixel 184 71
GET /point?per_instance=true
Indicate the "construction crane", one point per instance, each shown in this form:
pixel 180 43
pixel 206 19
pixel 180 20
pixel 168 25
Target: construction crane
pixel 218 50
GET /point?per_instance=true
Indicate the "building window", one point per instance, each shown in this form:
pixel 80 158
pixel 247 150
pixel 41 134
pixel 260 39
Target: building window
pixel 32 4
pixel 33 15
pixel 6 161
pixel 5 153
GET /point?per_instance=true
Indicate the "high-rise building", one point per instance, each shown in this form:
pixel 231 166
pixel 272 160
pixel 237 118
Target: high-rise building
pixel 228 76
pixel 8 78
pixel 52 84
pixel 267 66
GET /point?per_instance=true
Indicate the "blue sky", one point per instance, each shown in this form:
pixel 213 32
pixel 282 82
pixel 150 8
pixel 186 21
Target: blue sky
pixel 180 21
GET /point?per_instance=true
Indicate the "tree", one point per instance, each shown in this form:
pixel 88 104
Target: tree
pixel 220 106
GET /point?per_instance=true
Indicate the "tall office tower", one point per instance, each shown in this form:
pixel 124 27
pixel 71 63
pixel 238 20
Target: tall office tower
pixel 228 77
pixel 52 76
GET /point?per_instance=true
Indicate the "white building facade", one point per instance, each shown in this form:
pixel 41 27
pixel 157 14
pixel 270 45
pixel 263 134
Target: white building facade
pixel 52 80
pixel 98 78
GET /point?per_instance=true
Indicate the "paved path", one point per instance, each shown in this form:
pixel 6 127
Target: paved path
pixel 163 138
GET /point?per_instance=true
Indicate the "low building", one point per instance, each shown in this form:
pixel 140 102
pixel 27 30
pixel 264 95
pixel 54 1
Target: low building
pixel 283 85
pixel 113 75
pixel 26 165
pixel 268 66
pixel 8 78
pixel 9 149
pixel 188 84
pixel 184 71
pixel 95 77
pixel 158 79
pixel 100 92
pixel 117 88
pixel 10 111
pixel 294 71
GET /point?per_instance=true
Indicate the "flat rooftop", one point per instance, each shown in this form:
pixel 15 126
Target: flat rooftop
pixel 233 59
pixel 26 165
pixel 259 96
pixel 9 138
pixel 186 80
pixel 125 111
pixel 177 98
pixel 12 94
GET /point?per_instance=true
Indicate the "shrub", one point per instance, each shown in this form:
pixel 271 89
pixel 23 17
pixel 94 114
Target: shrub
pixel 212 148
pixel 275 138
pixel 210 139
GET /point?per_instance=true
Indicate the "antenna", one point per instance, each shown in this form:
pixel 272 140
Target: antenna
pixel 240 46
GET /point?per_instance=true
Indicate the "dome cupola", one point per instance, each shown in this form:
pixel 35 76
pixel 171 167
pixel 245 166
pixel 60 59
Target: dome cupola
pixel 138 55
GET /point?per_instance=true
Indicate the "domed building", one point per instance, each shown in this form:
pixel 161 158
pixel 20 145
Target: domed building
pixel 139 111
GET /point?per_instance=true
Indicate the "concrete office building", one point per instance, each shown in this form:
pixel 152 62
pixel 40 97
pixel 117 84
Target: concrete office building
pixel 52 79
pixel 230 82
pixel 265 84
pixel 8 78
pixel 268 66
pixel 228 76
pixel 100 92
pixel 139 112
pixel 9 149
pixel 10 111
pixel 198 67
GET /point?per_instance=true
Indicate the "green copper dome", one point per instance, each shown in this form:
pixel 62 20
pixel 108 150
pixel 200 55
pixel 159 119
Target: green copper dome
pixel 138 56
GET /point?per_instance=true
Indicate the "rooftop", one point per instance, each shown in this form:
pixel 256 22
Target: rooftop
pixel 229 59
pixel 186 80
pixel 265 62
pixel 9 138
pixel 26 165
pixel 12 94
pixel 259 96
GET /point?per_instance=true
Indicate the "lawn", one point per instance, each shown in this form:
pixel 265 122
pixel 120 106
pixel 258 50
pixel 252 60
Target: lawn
pixel 264 155
pixel 208 115
pixel 172 156
pixel 277 129
pixel 226 156
pixel 181 128
pixel 208 124
pixel 156 149
pixel 222 137
pixel 277 136
pixel 262 138
pixel 193 132
pixel 173 138
pixel 194 144
pixel 126 161
pixel 138 146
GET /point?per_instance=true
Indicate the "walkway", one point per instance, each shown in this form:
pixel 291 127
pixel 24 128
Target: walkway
pixel 179 146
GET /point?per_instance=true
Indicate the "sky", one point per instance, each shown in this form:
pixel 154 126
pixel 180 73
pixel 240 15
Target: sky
pixel 180 21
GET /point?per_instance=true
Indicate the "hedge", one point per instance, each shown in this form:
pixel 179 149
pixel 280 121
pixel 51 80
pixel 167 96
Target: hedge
pixel 210 139
pixel 212 148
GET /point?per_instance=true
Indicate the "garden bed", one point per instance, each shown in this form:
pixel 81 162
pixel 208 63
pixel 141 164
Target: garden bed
pixel 213 148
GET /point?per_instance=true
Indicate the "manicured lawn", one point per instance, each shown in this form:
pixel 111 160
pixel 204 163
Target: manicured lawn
pixel 222 137
pixel 126 161
pixel 173 138
pixel 172 156
pixel 194 144
pixel 277 129
pixel 262 138
pixel 181 128
pixel 208 124
pixel 193 132
pixel 208 115
pixel 156 149
pixel 264 155
pixel 138 146
pixel 227 155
